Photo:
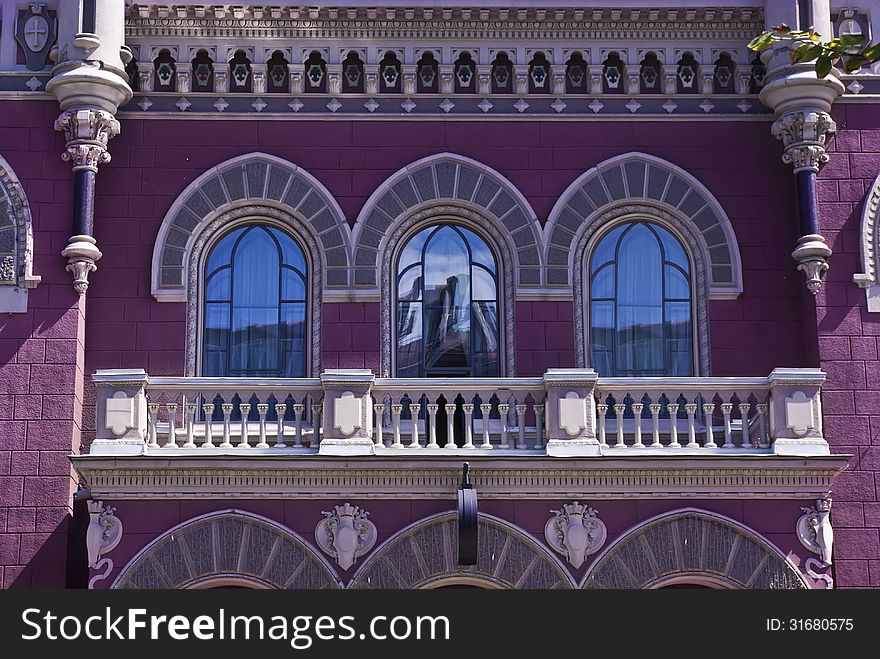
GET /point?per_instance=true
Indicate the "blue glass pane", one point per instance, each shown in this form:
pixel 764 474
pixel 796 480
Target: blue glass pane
pixel 604 251
pixel 602 336
pixel 218 285
pixel 292 285
pixel 409 287
pixel 483 284
pixel 412 253
pixel 677 285
pixel 678 338
pixel 639 269
pixel 447 301
pixel 256 263
pixel 291 253
pixel 603 283
pixel 216 338
pixel 409 339
pixel 221 254
pixel 293 339
pixel 480 252
pixel 673 248
pixel 485 338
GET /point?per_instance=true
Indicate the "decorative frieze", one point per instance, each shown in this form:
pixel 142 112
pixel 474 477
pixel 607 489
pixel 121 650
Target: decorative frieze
pixel 346 534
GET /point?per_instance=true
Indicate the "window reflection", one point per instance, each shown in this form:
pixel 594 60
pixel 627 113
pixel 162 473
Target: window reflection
pixel 255 305
pixel 640 303
pixel 447 305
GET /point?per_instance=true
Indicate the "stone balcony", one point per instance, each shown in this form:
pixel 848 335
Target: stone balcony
pixel 568 433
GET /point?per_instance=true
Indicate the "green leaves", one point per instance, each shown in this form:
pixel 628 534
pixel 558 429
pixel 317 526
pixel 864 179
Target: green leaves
pixel 852 51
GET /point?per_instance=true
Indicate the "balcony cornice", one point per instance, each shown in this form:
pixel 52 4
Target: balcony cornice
pixel 495 477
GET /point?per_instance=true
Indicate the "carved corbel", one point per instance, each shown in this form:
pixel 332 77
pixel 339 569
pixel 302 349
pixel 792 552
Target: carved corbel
pixel 803 136
pixel 87 133
pixel 345 534
pixel 102 536
pixel 814 529
pixel 575 532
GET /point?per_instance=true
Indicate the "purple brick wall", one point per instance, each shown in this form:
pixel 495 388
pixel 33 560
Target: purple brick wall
pixel 41 365
pixel 848 346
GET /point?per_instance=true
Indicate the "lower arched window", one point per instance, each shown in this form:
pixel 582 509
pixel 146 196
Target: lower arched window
pixel 255 305
pixel 447 305
pixel 640 303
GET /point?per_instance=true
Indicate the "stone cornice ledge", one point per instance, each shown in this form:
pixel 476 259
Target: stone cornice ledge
pixel 747 476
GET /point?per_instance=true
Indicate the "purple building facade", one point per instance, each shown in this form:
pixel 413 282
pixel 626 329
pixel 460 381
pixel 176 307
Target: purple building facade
pixel 310 261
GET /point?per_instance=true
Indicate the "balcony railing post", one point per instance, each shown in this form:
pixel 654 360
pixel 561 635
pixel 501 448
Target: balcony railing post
pixel 795 412
pixel 347 412
pixel 121 414
pixel 571 412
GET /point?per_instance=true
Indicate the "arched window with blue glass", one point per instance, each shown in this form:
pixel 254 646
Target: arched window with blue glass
pixel 256 305
pixel 641 316
pixel 447 305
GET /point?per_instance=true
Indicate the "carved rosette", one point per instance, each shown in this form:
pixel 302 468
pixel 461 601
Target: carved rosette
pixel 803 136
pixel 345 534
pixel 814 529
pixel 87 133
pixel 102 536
pixel 575 532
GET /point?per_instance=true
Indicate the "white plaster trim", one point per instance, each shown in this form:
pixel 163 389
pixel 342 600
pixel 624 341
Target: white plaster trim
pixel 527 477
pixel 715 291
pixel 870 243
pixel 179 293
pixel 14 291
pixel 672 514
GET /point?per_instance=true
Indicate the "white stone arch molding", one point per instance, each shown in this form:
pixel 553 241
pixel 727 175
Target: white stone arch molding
pixel 16 243
pixel 227 547
pixel 639 178
pixel 425 555
pixel 255 180
pixel 870 243
pixel 693 546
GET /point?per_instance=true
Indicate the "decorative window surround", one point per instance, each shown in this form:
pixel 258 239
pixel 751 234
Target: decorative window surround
pixel 255 181
pixel 16 264
pixel 870 242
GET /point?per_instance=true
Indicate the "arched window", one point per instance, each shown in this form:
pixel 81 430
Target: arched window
pixel 640 303
pixel 447 305
pixel 256 309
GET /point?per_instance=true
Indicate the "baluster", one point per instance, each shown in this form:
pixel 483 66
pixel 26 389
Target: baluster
pixel 190 409
pixel 208 409
pixel 378 411
pixel 468 430
pixel 450 425
pixel 763 440
pixel 655 424
pixel 317 408
pixel 396 409
pixel 602 410
pixel 262 410
pixel 414 409
pixel 298 411
pixel 503 409
pixel 708 411
pixel 672 408
pixel 521 422
pixel 227 414
pixel 245 409
pixel 154 420
pixel 485 408
pixel 637 416
pixel 432 425
pixel 691 409
pixel 539 425
pixel 744 417
pixel 280 410
pixel 172 426
pixel 726 409
pixel 618 412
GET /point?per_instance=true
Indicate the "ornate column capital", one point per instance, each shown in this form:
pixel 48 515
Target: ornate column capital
pixel 87 133
pixel 803 135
